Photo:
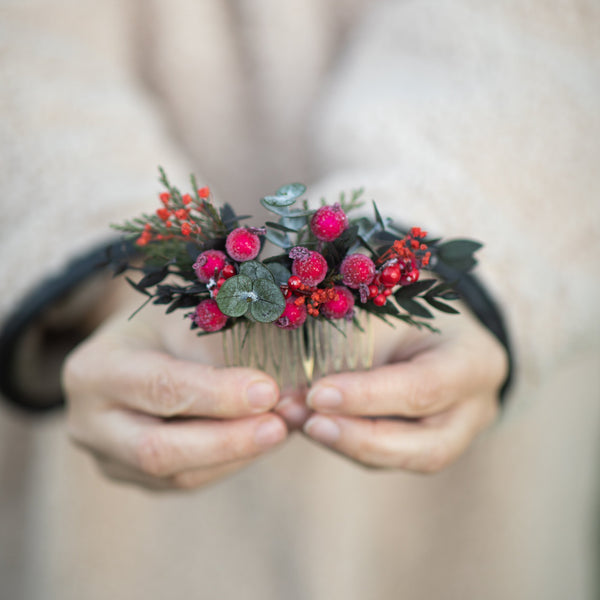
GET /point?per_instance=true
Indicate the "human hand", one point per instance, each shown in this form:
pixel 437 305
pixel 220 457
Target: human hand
pixel 153 418
pixel 422 409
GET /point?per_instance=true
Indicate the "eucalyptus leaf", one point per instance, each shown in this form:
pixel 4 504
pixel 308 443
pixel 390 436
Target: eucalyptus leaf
pixel 286 195
pixel 280 273
pixel 282 211
pixel 235 296
pixel 278 239
pixel 255 270
pixel 269 303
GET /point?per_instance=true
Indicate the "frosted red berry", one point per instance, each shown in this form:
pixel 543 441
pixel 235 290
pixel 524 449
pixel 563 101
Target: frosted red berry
pixel 209 264
pixel 242 244
pixel 390 276
pixel 293 315
pixel 208 316
pixel 309 266
pixel 356 270
pixel 329 222
pixel 340 308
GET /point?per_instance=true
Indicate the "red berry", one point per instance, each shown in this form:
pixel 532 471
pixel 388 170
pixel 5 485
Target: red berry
pixel 310 267
pixel 356 270
pixel 409 277
pixel 373 291
pixel 337 309
pixel 379 300
pixel 208 265
pixel 228 271
pixel 220 282
pixel 293 315
pixel 329 222
pixel 204 192
pixel 294 283
pixel 242 245
pixel 208 316
pixel 387 292
pixel 390 276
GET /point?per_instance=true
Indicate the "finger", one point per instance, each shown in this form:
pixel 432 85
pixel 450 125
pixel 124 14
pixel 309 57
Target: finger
pixel 158 384
pixel 293 410
pixel 187 480
pixel 160 449
pixel 425 447
pixel 430 382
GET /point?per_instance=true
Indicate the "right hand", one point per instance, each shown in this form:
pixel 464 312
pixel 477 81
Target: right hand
pixel 154 419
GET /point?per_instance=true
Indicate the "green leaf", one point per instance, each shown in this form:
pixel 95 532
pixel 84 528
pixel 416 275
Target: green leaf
pixel 458 253
pixel 378 216
pixel 269 303
pixel 414 289
pixel 278 239
pixel 280 273
pixel 282 211
pixel 280 227
pixel 412 307
pixel 285 195
pixel 235 296
pixel 442 306
pixel 153 278
pixel 255 270
pixel 459 248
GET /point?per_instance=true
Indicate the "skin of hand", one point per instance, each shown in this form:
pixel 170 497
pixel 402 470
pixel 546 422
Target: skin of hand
pixel 420 408
pixel 150 403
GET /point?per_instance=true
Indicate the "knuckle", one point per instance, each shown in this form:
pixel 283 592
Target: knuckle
pixel 163 391
pixel 152 455
pixel 424 395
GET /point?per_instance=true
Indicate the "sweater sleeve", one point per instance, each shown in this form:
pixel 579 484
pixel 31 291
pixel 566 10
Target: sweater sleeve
pixel 476 126
pixel 82 141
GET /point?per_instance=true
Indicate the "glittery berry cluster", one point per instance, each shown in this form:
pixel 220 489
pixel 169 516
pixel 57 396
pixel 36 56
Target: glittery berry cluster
pixel 197 256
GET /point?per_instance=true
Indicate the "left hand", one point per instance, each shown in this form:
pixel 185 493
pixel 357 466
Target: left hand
pixel 422 409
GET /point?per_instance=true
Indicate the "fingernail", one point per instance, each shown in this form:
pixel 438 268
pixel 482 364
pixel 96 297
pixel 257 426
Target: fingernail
pixel 324 397
pixel 268 433
pixel 322 429
pixel 261 396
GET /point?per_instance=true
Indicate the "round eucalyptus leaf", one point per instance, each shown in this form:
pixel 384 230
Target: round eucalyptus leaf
pixel 279 272
pixel 255 270
pixel 286 195
pixel 235 296
pixel 269 303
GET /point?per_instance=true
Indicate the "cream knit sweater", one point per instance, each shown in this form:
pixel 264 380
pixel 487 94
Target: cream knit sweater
pixel 469 118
